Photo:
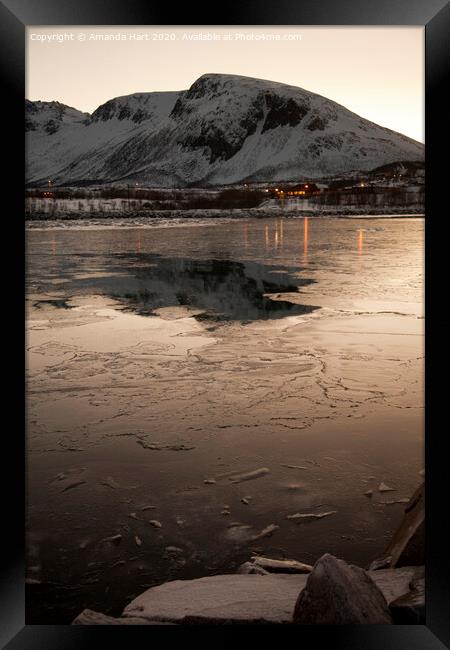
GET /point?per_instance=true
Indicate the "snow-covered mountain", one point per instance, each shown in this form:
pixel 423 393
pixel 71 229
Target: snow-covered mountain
pixel 224 129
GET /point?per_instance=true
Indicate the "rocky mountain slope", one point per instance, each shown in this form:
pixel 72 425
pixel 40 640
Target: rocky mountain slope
pixel 224 129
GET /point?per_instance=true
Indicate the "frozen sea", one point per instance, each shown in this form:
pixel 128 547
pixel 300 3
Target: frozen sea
pixel 164 360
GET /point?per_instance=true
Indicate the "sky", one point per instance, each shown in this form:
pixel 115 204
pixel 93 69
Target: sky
pixel 376 72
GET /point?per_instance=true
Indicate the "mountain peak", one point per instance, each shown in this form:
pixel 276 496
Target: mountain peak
pixel 49 116
pixel 214 81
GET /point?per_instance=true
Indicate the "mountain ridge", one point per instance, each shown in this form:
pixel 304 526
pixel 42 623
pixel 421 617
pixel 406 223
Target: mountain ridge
pixel 223 129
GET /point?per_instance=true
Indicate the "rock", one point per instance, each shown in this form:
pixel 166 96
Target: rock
pixel 221 599
pixel 89 617
pixel 250 568
pixel 409 609
pixel 395 582
pixel 384 488
pixel 299 518
pixel 337 593
pixel 369 493
pixel 245 501
pixel 280 566
pixel 155 523
pixel 249 476
pixel 419 578
pixel 407 546
pixel 381 563
pixel 138 541
pixel 209 481
pixel 240 598
pixel 294 466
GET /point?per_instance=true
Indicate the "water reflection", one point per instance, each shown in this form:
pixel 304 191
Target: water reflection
pixel 246 240
pixel 222 289
pixel 278 235
pixel 360 242
pixel 305 240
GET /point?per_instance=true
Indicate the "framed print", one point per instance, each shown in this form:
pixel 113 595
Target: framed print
pixel 231 420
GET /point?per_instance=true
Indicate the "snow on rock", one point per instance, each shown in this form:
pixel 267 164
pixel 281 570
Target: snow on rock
pixel 223 129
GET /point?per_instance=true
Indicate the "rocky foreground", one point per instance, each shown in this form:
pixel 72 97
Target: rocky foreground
pixel 268 591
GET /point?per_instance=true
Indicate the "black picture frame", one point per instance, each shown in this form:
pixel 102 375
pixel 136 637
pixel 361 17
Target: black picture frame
pixel 15 15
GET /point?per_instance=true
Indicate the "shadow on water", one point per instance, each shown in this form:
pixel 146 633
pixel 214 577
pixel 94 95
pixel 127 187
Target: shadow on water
pixel 223 290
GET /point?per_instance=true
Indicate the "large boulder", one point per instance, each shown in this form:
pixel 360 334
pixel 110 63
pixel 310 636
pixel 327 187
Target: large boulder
pixel 407 546
pixel 337 593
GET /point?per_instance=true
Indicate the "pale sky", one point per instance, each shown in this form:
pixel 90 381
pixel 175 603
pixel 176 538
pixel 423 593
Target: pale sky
pixel 377 72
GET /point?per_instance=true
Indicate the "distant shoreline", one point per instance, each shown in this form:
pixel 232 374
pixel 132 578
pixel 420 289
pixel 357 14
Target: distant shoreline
pixel 218 214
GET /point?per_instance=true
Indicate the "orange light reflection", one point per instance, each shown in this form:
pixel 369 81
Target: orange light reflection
pixel 360 242
pixel 305 240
